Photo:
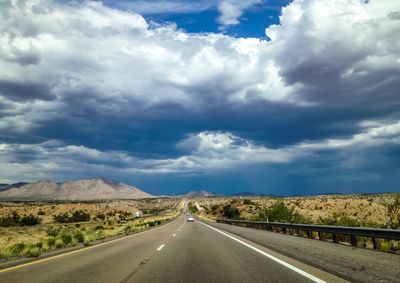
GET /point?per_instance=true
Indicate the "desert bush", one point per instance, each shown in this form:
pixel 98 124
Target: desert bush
pixel 128 230
pixel 15 220
pixel 79 236
pixel 77 216
pixel 392 211
pixel 52 231
pixel 32 252
pixel 51 242
pixel 192 208
pixel 41 212
pixel 8 221
pixel 17 249
pixel 100 216
pixel 248 202
pixel 30 220
pixel 39 245
pixel 279 212
pixel 80 216
pixel 66 238
pixel 100 234
pixel 339 219
pixel 61 218
pixel 59 244
pixel 231 212
pixel 98 227
pixel 152 223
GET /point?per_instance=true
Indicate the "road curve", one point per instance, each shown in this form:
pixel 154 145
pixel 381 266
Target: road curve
pixel 179 251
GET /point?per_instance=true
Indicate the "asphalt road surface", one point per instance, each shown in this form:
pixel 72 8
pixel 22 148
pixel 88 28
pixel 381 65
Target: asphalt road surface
pixel 179 251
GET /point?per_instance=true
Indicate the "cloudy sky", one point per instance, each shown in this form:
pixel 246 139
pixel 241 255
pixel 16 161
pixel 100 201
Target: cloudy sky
pixel 266 96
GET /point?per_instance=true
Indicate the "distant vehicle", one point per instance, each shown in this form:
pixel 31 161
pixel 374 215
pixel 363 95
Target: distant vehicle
pixel 190 219
pixel 138 214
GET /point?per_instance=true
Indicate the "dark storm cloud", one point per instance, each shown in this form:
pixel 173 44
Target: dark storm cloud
pixel 22 91
pixel 113 96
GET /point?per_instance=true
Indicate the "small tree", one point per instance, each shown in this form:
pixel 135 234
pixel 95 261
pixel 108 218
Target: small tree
pixel 231 212
pixel 279 212
pixel 392 211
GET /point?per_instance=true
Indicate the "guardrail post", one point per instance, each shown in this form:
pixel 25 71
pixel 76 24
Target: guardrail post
pixel 335 238
pixel 374 243
pixel 309 234
pixel 284 230
pixel 353 241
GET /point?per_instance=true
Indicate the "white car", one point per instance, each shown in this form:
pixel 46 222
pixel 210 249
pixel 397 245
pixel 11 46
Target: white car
pixel 190 219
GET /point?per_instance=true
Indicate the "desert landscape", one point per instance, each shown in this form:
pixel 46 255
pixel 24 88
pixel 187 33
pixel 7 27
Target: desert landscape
pixel 44 216
pixel 365 210
pixel 29 229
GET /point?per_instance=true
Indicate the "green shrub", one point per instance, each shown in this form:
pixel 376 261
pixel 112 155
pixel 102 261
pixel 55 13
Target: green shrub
pixel 128 230
pixel 17 249
pixel 77 216
pixel 231 212
pixel 59 244
pixel 192 208
pixel 151 223
pixel 339 219
pixel 279 212
pixel 39 245
pixel 99 227
pixel 15 220
pixel 79 236
pixel 100 235
pixel 61 218
pixel 30 220
pixel 80 216
pixel 32 252
pixel 66 238
pixel 52 231
pixel 51 242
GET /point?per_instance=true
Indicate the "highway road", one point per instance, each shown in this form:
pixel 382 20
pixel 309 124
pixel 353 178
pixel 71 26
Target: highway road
pixel 182 251
pixel 179 251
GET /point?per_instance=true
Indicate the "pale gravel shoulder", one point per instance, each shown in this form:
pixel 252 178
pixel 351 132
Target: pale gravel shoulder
pixel 354 264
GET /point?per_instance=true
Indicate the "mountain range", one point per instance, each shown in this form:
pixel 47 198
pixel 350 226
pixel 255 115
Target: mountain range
pixel 87 189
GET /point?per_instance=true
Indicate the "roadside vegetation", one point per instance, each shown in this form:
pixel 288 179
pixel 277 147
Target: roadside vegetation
pixel 53 228
pixel 371 211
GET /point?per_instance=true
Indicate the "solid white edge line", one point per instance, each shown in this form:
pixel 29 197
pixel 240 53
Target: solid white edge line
pixel 160 247
pixel 295 269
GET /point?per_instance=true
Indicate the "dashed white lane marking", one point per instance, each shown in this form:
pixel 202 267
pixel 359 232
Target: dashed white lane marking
pixel 295 269
pixel 173 235
pixel 160 247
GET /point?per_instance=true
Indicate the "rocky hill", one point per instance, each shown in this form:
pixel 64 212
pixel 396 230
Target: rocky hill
pixel 88 189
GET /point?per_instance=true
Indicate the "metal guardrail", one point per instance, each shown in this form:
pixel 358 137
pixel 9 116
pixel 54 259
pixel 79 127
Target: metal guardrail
pixel 322 230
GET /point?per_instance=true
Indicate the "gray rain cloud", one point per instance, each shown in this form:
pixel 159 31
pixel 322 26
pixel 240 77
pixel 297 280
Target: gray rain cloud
pixel 86 86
